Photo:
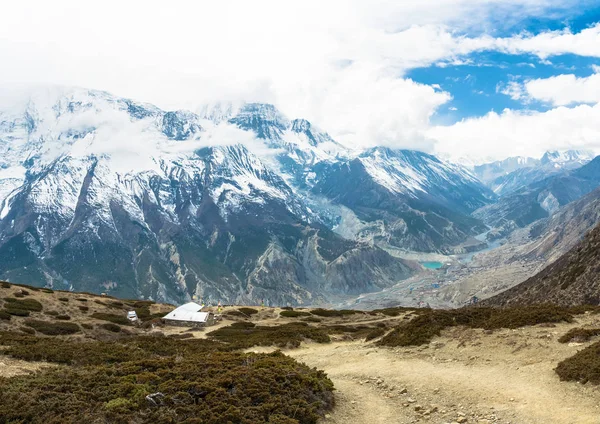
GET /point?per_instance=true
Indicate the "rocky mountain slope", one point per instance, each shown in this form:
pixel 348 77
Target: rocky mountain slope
pixel 540 200
pixel 405 198
pixel 570 280
pixel 100 193
pixel 511 174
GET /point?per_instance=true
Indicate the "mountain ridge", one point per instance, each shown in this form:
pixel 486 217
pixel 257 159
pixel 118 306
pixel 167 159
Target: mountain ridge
pixel 106 194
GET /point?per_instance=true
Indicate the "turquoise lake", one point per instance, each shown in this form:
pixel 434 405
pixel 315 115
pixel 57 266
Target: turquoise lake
pixel 432 265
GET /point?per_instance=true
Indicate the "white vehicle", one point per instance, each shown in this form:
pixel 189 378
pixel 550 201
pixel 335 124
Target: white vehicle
pixel 132 316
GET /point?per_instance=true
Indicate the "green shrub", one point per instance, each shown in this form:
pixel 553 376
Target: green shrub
pixel 248 311
pixel 87 326
pixel 430 322
pixel 579 335
pixel 312 319
pixel 24 304
pixel 16 312
pixel 27 330
pixel 293 314
pixel 63 299
pixel 334 312
pixel 235 314
pixel 4 285
pixel 81 299
pixel 143 312
pixel 374 334
pixel 244 335
pixel 4 315
pixel 109 326
pixel 53 328
pixel 116 319
pixel 393 312
pixel 583 367
pixel 63 317
pixel 51 313
pixel 83 308
pixel 218 388
pixel 46 290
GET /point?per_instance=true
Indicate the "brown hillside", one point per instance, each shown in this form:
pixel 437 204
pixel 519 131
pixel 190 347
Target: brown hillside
pixel 570 280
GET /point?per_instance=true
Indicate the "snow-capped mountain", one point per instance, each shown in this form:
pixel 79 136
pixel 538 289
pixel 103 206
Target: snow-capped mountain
pixel 102 193
pixel 488 172
pixel 509 175
pixel 407 199
pixel 540 199
pixel 569 159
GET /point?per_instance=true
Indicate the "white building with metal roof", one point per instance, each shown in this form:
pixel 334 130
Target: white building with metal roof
pixel 189 314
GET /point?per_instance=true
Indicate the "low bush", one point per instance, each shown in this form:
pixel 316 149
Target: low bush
pixel 312 319
pixel 579 335
pixel 182 336
pixel 109 326
pixel 53 328
pixel 27 330
pixel 24 304
pixel 83 308
pixel 244 335
pixel 334 312
pixel 16 312
pixel 51 313
pixel 21 293
pixel 374 334
pixel 46 290
pixel 430 322
pixel 143 312
pixel 63 317
pixel 63 299
pixel 393 312
pixel 218 388
pixel 81 299
pixel 5 285
pixel 87 326
pixel 583 367
pixel 199 381
pixel 5 315
pixel 293 314
pixel 248 311
pixel 115 319
pixel 236 314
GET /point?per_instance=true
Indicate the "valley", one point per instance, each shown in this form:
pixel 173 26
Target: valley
pixel 267 212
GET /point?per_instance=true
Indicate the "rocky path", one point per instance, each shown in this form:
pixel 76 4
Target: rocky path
pixel 473 378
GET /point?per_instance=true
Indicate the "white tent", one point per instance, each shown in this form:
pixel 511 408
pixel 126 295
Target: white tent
pixel 190 312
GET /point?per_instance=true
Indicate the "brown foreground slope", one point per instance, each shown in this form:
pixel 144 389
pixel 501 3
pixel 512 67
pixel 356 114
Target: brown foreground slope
pixel 570 280
pixel 468 369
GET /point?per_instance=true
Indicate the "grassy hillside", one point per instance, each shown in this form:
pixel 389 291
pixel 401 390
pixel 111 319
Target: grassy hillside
pixel 111 371
pixel 94 366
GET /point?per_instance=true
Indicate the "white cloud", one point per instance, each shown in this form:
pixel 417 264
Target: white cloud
pixel 552 43
pixel 341 64
pixel 513 89
pixel 564 90
pixel 526 133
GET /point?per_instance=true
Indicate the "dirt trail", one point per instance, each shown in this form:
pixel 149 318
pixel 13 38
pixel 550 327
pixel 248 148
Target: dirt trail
pixel 463 376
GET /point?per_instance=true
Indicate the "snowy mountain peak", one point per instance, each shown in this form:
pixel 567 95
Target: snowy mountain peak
pixel 264 119
pixel 565 157
pixel 180 125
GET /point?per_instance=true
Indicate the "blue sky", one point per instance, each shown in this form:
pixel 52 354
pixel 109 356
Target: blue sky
pixel 477 85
